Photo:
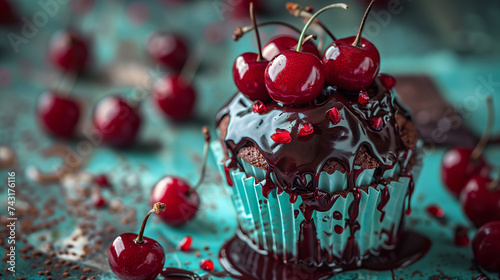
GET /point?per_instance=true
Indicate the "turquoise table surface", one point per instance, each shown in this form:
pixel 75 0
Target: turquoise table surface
pixel 168 148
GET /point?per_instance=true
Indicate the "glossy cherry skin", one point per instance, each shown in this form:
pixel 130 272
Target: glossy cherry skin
pixel 294 78
pixel 174 97
pixel 457 168
pixel 248 75
pixel 351 68
pixel 168 49
pixel 486 246
pixel 58 114
pixel 116 121
pixel 129 260
pixel 479 203
pixel 68 51
pixel 283 43
pixel 181 201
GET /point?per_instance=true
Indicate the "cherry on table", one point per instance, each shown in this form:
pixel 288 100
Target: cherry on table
pixel 480 200
pixel 207 265
pixel 58 114
pixel 352 63
pixel 102 181
pixel 69 51
pixel 459 164
pixel 117 121
pixel 134 256
pixel 185 243
pixel 249 68
pixel 182 201
pixel 168 49
pixel 486 246
pixel 175 97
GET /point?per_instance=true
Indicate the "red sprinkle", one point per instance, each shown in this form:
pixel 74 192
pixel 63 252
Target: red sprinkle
pixel 461 236
pixel 363 98
pixel 377 123
pixel 338 229
pixel 435 211
pixel 207 265
pixel 306 129
pixel 98 201
pixel 334 115
pixel 259 107
pixel 185 243
pixel 281 136
pixel 102 181
pixel 389 82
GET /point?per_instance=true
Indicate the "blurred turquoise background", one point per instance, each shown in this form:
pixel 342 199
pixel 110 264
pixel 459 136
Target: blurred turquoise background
pixel 453 42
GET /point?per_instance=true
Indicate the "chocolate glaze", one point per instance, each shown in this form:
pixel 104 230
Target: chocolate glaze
pixel 305 156
pixel 258 264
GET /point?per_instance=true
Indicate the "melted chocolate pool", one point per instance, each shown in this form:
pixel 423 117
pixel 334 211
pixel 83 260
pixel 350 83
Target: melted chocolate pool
pixel 244 261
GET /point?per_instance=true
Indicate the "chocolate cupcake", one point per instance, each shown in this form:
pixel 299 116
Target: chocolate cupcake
pixel 333 193
pixel 320 178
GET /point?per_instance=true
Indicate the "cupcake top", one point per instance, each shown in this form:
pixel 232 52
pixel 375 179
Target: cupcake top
pixel 336 132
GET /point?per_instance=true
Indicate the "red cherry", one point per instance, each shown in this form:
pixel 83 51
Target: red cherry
pixel 132 256
pixel 281 136
pixel 259 107
pixel 58 114
pixel 240 8
pixel 68 51
pixel 461 237
pixel 352 63
pixel 248 75
pixel 116 121
pixel 481 205
pixel 283 43
pixel 175 97
pixel 363 98
pixel 334 116
pixel 185 244
pixel 168 49
pixel 294 78
pixel 181 200
pixel 102 181
pixel 306 129
pixel 486 245
pixel 207 265
pixel 389 82
pixel 351 68
pixel 457 168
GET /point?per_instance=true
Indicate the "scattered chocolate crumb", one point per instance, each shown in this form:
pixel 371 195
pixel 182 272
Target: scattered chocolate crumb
pixel 47 262
pixel 75 267
pixel 66 274
pixel 198 254
pixel 86 270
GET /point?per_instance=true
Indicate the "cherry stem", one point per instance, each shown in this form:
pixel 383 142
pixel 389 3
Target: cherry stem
pixel 478 150
pixel 314 37
pixel 303 34
pixel 297 11
pixel 157 208
pixel 188 71
pixel 357 42
pixel 495 185
pixel 68 83
pixel 257 36
pixel 206 148
pixel 240 31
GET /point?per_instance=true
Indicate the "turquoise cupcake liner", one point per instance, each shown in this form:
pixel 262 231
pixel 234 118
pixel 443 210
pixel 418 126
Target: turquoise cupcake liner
pixel 271 223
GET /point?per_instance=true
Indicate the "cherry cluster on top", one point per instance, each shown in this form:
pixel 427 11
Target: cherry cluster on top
pixel 292 71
